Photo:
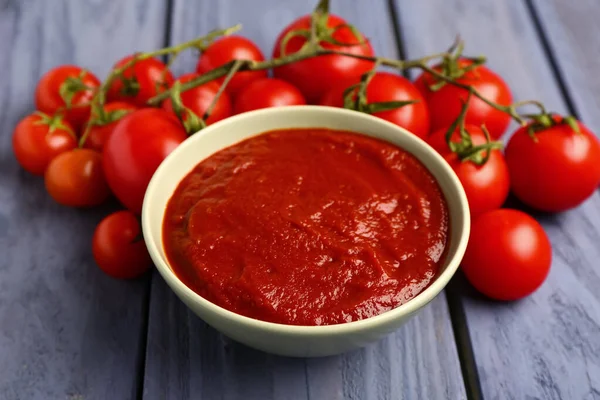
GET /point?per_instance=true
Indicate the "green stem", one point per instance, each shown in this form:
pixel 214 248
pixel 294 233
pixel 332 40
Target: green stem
pixel 510 109
pixel 536 103
pixel 235 68
pixel 247 65
pixel 322 7
pixel 303 54
pixel 99 98
pixel 360 103
pixel 312 48
pixel 199 42
pixel 475 154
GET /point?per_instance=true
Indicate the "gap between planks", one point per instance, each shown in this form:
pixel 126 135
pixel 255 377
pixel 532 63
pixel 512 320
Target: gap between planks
pixel 141 366
pixel 549 54
pixel 456 310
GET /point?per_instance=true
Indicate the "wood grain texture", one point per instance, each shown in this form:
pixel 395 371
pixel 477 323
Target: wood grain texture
pixel 548 345
pixel 66 330
pixel 572 30
pixel 187 359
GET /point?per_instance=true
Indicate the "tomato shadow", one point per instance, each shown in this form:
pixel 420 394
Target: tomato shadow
pixel 459 287
pixel 513 202
pixel 460 290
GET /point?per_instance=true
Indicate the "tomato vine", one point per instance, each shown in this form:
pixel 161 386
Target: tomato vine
pixel 354 97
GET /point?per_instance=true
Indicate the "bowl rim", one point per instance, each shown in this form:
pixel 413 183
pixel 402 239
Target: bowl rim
pixel 406 309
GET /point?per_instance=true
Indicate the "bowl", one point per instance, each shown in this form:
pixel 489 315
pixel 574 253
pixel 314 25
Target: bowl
pixel 291 340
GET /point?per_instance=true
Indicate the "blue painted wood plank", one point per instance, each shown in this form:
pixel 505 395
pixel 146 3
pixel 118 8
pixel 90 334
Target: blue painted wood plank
pixel 66 330
pixel 546 346
pixel 187 359
pixel 573 31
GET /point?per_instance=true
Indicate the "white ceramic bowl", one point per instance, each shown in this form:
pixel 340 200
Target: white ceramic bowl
pixel 289 340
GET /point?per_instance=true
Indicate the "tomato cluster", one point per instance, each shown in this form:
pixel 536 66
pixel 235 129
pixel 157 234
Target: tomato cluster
pixel 550 164
pixel 93 139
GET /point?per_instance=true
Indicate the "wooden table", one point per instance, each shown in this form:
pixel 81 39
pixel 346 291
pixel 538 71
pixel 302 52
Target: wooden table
pixel 69 332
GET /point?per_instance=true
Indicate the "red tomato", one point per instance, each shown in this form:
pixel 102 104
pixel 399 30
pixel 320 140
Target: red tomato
pixel 100 131
pixel 135 149
pixel 486 185
pixel 118 248
pixel 71 83
pixel 389 87
pixel 314 76
pixel 265 93
pixel 446 103
pixel 144 80
pixel 198 100
pixel 38 138
pixel 508 256
pixel 232 48
pixel 557 169
pixel 75 178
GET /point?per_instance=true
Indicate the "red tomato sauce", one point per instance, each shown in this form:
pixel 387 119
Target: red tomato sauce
pixel 307 227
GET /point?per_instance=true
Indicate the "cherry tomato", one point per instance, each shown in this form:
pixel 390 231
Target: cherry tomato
pixel 144 80
pixel 67 89
pixel 314 76
pixel 100 130
pixel 38 138
pixel 198 100
pixel 508 256
pixel 232 48
pixel 383 87
pixel 555 170
pixel 265 93
pixel 118 248
pixel 76 179
pixel 137 146
pixel 486 185
pixel 446 103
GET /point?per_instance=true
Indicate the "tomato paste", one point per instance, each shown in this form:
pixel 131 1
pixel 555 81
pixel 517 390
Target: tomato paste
pixel 307 227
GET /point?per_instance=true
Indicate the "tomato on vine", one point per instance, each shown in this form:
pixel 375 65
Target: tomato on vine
pixel 38 138
pixel 76 179
pixel 508 256
pixel 554 163
pixel 140 82
pixel 445 100
pixel 118 248
pixel 134 150
pixel 230 48
pixel 101 127
pixel 484 176
pixel 199 99
pixel 314 76
pixel 67 89
pixel 387 88
pixel 265 93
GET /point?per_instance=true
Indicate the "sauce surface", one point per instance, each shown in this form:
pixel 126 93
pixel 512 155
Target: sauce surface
pixel 307 227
